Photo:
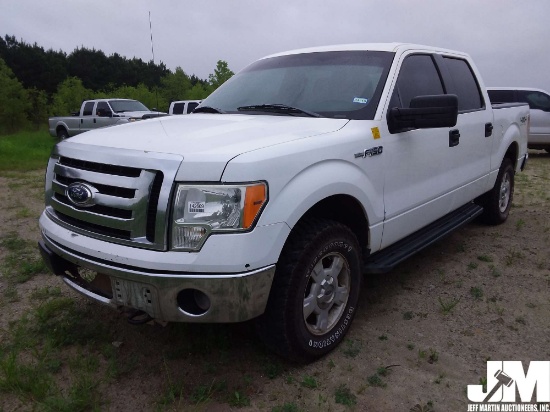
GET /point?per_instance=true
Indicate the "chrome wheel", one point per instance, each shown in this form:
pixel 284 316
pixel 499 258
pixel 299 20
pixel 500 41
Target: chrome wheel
pixel 326 293
pixel 504 196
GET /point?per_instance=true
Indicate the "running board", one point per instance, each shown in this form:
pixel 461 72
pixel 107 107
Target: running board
pixel 385 260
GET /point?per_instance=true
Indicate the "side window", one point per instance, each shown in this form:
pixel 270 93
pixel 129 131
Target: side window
pixel 417 77
pixel 536 100
pixel 467 89
pixel 501 96
pixel 103 109
pixel 191 106
pixel 178 108
pixel 88 109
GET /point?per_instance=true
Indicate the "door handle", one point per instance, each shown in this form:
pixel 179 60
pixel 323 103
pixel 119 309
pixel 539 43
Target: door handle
pixel 454 138
pixel 94 120
pixel 488 129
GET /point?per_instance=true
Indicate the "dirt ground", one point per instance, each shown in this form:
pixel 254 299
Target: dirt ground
pixel 422 333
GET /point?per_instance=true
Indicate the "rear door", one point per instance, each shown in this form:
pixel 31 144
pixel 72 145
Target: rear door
pixel 472 153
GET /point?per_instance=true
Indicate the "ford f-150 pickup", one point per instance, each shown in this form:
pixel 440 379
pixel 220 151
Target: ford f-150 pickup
pixel 99 113
pixel 300 174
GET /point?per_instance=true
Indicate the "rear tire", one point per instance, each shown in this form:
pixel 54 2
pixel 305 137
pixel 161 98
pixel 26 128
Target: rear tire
pixel 498 201
pixel 315 292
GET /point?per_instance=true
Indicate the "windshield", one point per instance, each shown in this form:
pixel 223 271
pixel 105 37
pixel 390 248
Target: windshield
pixel 343 84
pixel 121 106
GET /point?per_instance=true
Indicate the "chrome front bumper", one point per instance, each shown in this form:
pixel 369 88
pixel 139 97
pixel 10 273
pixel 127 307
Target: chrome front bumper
pixel 164 295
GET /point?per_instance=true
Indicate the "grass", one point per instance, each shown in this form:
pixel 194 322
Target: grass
pixel 287 407
pixel 512 257
pixel 352 348
pixel 273 369
pixel 485 258
pixel 31 355
pixel 447 306
pixel 25 151
pixel 309 382
pixel 476 292
pixel 22 261
pixel 344 396
pixel 239 399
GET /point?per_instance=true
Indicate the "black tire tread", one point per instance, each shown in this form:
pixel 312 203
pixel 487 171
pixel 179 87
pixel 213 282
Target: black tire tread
pixel 272 325
pixel 491 214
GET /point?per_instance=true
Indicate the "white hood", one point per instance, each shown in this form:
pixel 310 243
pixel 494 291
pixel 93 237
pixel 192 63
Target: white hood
pixel 208 141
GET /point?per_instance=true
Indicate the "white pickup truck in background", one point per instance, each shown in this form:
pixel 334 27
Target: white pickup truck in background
pixel 183 106
pixel 98 113
pixel 539 104
pixel 298 175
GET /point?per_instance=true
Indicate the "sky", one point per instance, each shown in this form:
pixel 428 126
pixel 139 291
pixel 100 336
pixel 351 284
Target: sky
pixel 509 40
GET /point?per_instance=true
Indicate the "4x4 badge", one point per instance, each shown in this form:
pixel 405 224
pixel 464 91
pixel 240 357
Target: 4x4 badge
pixel 369 152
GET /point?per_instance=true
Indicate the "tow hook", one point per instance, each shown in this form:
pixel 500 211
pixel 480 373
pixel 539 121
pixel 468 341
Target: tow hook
pixel 138 317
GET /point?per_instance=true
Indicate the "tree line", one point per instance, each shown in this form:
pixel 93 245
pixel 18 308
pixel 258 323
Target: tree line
pixel 38 83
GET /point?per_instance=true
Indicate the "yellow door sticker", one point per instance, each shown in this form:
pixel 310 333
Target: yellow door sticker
pixel 375 132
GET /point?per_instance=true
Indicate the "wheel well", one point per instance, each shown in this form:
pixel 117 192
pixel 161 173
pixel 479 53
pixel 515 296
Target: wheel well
pixel 58 128
pixel 346 210
pixel 512 154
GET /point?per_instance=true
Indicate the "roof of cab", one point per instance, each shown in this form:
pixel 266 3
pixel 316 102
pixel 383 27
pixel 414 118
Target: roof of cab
pixel 388 47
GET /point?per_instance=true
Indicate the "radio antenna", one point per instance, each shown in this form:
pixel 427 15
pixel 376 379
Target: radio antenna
pixel 151 31
pixel 153 54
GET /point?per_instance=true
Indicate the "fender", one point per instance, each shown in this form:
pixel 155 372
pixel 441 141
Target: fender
pixel 509 138
pixel 320 181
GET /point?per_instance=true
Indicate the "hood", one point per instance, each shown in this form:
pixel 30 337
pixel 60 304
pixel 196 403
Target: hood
pixel 207 141
pixel 139 114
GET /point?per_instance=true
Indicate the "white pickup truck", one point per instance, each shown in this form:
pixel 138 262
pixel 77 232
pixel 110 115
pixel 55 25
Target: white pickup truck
pixel 301 173
pixel 183 106
pixel 98 113
pixel 539 105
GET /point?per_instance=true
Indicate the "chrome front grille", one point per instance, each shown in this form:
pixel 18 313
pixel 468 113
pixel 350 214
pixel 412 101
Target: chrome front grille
pixel 131 193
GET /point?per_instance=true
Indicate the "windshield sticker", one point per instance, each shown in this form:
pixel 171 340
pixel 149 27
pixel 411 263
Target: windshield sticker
pixel 195 207
pixel 360 100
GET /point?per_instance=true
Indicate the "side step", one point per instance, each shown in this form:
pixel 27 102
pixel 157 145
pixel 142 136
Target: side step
pixel 385 260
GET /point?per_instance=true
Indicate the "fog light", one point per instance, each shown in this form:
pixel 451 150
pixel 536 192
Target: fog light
pixel 193 302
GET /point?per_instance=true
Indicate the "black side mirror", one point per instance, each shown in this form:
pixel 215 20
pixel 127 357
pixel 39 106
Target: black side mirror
pixel 424 112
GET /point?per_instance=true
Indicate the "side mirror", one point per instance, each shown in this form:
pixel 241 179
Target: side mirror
pixel 425 112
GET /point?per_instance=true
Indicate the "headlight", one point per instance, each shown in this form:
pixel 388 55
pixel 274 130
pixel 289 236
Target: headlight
pixel 201 210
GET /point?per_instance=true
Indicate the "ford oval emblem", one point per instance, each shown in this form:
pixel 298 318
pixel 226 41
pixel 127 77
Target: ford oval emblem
pixel 81 194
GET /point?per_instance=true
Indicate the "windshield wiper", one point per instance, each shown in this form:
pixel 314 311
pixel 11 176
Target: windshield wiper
pixel 277 108
pixel 208 109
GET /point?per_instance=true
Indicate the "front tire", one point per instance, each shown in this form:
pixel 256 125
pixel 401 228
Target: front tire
pixel 62 134
pixel 315 292
pixel 499 200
